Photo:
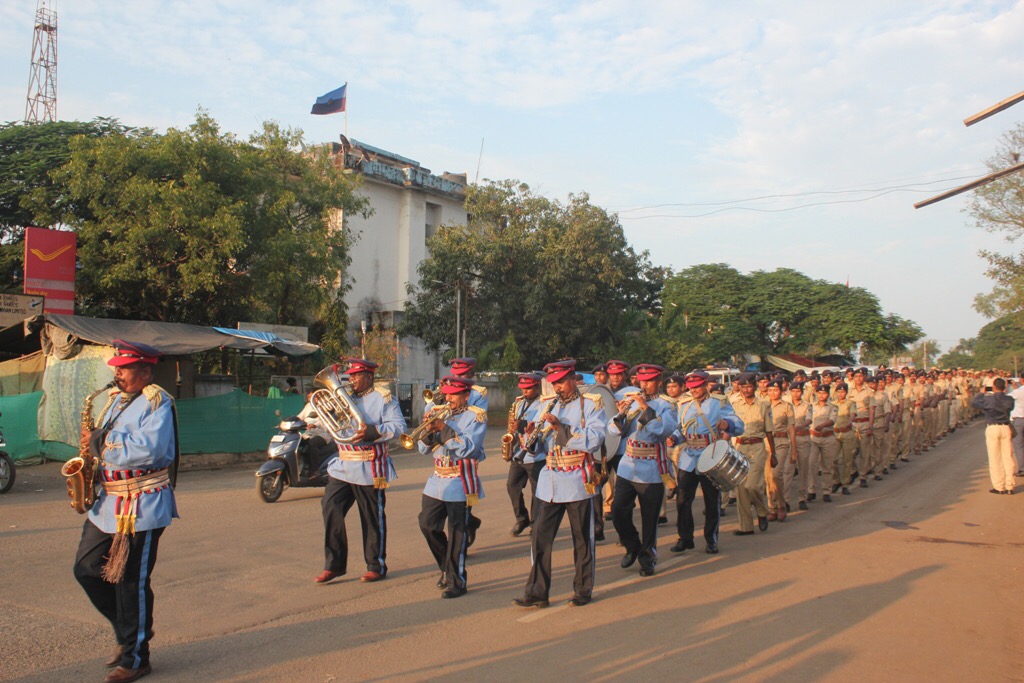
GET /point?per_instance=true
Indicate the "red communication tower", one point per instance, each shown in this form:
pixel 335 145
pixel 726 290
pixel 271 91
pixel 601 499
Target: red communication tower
pixel 41 104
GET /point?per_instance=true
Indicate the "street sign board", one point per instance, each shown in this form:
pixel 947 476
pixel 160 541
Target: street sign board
pixel 14 308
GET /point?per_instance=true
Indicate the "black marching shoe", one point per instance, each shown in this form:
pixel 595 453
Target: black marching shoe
pixel 811 497
pixel 579 600
pixel 893 467
pixel 762 523
pixel 598 537
pixel 742 533
pixel 474 524
pixel 518 527
pixel 835 487
pixel 826 498
pixel 662 520
pixel 646 571
pixel 803 505
pixel 863 483
pixel 442 582
pixel 712 549
pixel 628 559
pixel 454 592
pixel 846 491
pixel 530 602
pixel 878 477
pixel 682 546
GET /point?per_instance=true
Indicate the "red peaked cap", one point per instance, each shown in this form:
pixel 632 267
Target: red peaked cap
pixel 460 366
pixel 359 365
pixel 557 371
pixel 453 384
pixel 529 380
pixel 647 371
pixel 129 353
pixel 696 378
pixel 617 367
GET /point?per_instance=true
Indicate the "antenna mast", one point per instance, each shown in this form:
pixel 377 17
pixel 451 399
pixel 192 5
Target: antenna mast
pixel 41 103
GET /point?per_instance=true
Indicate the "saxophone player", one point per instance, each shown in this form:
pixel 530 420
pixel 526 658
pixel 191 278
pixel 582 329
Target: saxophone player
pixel 360 474
pixel 134 446
pixel 524 466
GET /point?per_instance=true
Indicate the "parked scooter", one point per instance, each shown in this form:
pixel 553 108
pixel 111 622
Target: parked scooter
pixel 6 467
pixel 293 459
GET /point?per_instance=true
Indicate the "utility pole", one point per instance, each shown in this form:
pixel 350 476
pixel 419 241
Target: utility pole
pixel 458 316
pixel 41 102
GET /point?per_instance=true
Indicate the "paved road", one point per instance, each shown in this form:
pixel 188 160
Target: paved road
pixel 918 577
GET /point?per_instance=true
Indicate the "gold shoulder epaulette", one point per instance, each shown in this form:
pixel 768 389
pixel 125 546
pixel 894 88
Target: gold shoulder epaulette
pixel 596 398
pixel 154 393
pixel 666 397
pixel 482 390
pixel 481 414
pixel 384 391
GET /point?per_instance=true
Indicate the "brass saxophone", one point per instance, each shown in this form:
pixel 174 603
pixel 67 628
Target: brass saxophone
pixel 509 438
pixel 81 471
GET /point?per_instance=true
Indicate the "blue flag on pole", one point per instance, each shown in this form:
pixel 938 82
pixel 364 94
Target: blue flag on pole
pixel 331 103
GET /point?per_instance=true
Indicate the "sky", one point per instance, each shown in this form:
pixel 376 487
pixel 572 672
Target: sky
pixel 677 115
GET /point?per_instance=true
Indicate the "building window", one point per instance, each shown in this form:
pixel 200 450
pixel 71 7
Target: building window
pixel 433 219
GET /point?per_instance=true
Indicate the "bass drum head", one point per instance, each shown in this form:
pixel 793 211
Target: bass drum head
pixel 611 441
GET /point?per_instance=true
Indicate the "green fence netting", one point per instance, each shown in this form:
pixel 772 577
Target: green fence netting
pixel 229 423
pixel 232 423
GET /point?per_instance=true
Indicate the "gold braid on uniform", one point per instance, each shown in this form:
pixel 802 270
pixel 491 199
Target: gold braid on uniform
pixel 568 399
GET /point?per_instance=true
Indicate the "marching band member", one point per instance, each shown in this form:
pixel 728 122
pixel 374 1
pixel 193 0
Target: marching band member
pixel 466 368
pixel 360 474
pixel 573 429
pixel 702 418
pixel 644 468
pixel 457 446
pixel 619 385
pixel 525 466
pixel 134 447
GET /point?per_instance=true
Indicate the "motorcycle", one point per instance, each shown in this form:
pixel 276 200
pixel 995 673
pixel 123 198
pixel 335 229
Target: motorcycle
pixel 293 459
pixel 6 467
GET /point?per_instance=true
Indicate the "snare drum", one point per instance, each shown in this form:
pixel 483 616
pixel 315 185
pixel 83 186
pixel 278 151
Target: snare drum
pixel 723 465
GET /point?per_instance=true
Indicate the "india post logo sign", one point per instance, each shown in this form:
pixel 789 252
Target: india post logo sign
pixel 50 268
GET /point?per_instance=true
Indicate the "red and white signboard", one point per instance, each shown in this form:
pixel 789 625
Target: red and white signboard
pixel 50 268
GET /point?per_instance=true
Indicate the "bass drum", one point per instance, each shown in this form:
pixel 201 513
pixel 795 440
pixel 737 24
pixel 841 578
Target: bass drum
pixel 725 466
pixel 611 441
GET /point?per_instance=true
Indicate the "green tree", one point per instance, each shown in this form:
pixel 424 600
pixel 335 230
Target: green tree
pixel 29 153
pixel 556 276
pixel 998 207
pixel 1000 344
pixel 196 226
pixel 960 356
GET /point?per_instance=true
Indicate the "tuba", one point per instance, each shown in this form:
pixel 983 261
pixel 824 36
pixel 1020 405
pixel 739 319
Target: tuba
pixel 334 406
pixel 81 471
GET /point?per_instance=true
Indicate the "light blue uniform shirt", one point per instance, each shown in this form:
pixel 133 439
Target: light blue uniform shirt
pixel 574 435
pixel 690 423
pixel 142 438
pixel 381 410
pixel 620 395
pixel 656 430
pixel 464 443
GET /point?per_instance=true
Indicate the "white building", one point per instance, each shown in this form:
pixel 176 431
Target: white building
pixel 409 204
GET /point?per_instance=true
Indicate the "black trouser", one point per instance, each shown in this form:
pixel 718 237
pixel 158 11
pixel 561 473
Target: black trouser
pixel 518 475
pixel 338 499
pixel 545 526
pixel 688 482
pixel 611 466
pixel 128 604
pixel 449 550
pixel 650 495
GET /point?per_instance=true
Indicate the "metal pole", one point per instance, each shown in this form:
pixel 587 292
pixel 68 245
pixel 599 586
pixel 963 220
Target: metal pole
pixel 458 316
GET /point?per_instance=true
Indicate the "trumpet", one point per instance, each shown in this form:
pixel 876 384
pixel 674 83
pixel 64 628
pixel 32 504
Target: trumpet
pixel 408 441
